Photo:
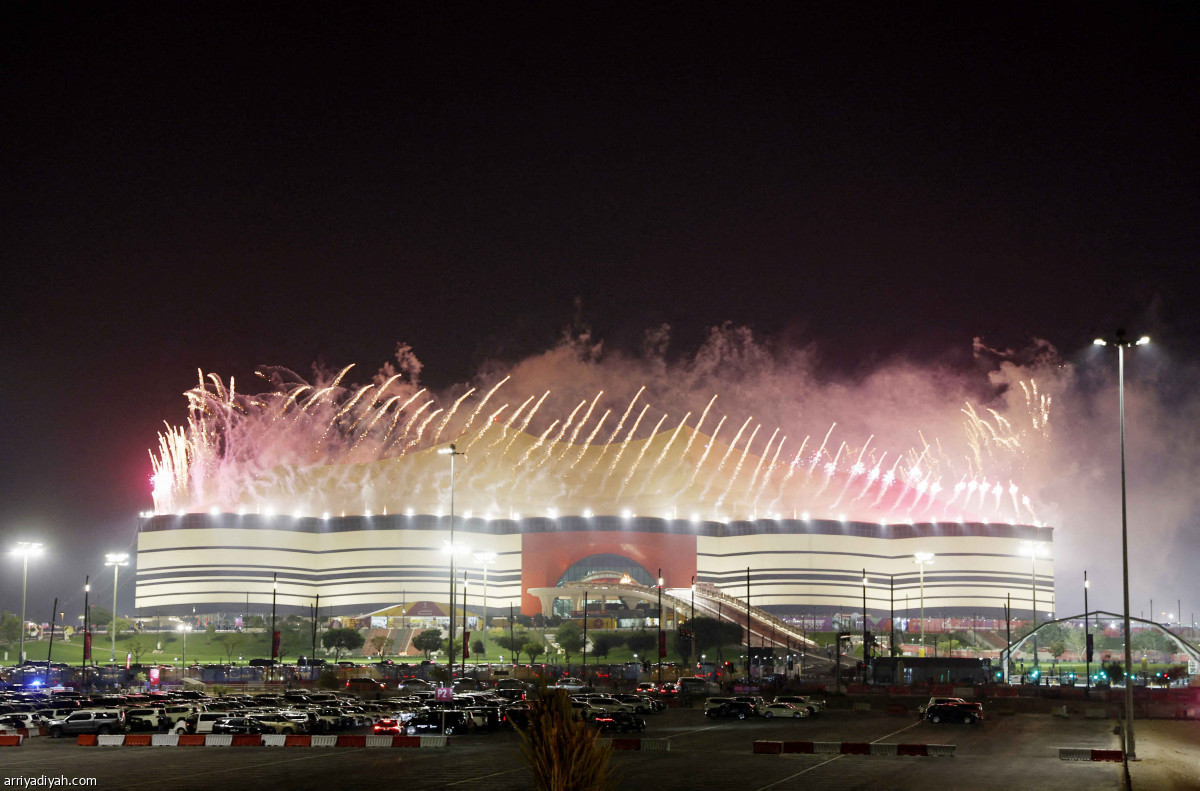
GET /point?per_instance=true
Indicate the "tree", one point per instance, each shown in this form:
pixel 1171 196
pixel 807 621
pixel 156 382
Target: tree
pixel 295 641
pixel 603 642
pixel 1057 649
pixel 231 642
pixel 569 638
pixel 534 649
pixel 100 617
pixel 477 648
pixel 10 627
pixel 136 648
pixel 642 642
pixel 428 641
pixel 515 643
pixel 381 644
pixel 345 639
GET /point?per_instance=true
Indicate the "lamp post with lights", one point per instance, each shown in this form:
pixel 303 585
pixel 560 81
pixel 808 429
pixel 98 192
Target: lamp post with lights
pixel 1121 342
pixel 24 550
pixel 116 560
pixel 450 451
pixel 922 559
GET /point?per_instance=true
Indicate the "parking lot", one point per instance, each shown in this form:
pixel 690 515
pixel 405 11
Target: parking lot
pixel 1019 751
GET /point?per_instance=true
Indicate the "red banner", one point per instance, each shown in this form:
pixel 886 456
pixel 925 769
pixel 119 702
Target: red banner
pixel 87 646
pixel 274 645
pixel 466 645
pixel 662 645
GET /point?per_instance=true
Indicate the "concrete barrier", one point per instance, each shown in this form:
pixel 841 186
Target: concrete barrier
pixel 218 739
pixel 297 740
pixel 1088 754
pixel 191 740
pixel 111 739
pixel 164 740
pixel 768 748
pixel 323 741
pixel 11 740
pixel 377 741
pixel 247 740
pixel 884 749
pixel 944 750
pixel 348 740
pixel 656 744
pixel 620 743
pixel 853 748
pixel 138 739
pixel 267 740
pixel 274 740
pixel 434 741
pixel 86 740
pixel 827 748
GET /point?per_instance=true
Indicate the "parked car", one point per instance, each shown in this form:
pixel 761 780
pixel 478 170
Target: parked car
pixel 959 711
pixel 621 722
pixel 812 705
pixel 386 726
pixel 444 721
pixel 365 684
pixel 98 721
pixel 778 709
pixel 143 719
pixel 733 709
pixel 200 722
pixel 241 725
pixel 25 719
pixel 570 684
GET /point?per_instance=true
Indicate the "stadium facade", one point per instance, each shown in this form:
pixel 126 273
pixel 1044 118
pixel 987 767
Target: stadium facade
pixel 356 564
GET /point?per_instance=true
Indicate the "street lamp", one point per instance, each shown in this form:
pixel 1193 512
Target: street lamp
pixel 866 633
pixel 185 628
pixel 116 560
pixel 660 628
pixel 1033 549
pixel 1120 341
pixel 450 451
pixel 923 559
pixel 23 550
pixel 485 559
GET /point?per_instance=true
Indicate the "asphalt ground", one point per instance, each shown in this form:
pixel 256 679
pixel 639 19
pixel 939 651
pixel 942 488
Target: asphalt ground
pixel 1006 752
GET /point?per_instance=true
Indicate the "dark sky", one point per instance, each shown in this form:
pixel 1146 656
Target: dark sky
pixel 216 186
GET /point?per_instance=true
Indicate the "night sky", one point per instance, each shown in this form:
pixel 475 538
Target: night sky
pixel 210 186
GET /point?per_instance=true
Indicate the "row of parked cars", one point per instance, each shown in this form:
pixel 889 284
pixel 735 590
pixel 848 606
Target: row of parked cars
pixel 741 707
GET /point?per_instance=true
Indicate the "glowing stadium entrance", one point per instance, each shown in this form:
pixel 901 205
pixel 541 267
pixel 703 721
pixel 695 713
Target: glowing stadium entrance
pixel 606 568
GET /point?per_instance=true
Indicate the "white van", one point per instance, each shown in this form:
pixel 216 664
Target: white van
pixel 199 723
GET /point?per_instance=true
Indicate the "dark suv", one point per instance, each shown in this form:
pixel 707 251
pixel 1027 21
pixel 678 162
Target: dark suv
pixel 955 711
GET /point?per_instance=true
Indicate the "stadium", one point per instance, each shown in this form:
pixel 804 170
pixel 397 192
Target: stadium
pixel 305 493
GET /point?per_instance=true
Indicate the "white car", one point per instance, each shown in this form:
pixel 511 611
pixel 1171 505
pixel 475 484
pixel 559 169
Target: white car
pixel 811 705
pixel 610 704
pixel 778 709
pixel 21 719
pixel 570 684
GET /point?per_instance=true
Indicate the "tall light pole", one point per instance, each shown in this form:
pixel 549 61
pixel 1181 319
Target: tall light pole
pixel 661 635
pixel 1087 638
pixel 450 451
pixel 185 628
pixel 24 550
pixel 1033 549
pixel 866 632
pixel 485 559
pixel 922 559
pixel 1120 341
pixel 116 560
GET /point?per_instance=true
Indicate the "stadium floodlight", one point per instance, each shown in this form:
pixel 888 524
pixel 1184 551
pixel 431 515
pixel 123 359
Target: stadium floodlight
pixel 1121 342
pixel 25 550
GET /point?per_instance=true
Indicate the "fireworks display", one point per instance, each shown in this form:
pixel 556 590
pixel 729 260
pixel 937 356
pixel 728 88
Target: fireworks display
pixel 331 448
